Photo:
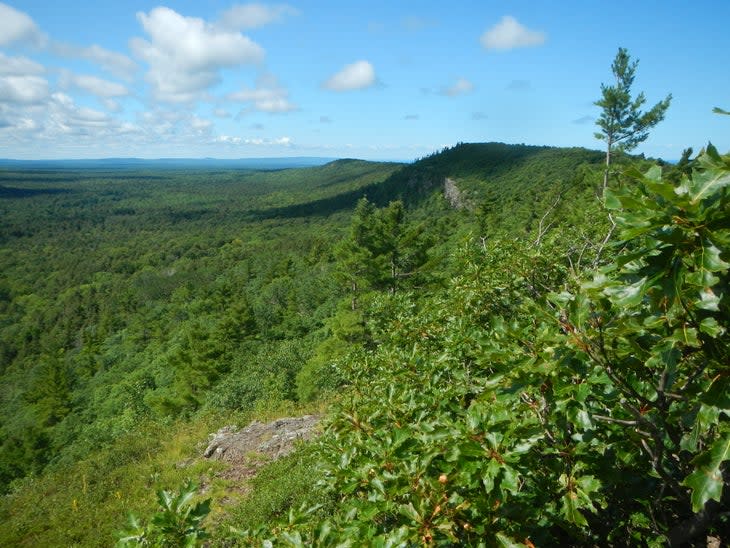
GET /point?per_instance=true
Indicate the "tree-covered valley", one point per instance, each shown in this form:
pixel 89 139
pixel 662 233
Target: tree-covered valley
pixel 503 352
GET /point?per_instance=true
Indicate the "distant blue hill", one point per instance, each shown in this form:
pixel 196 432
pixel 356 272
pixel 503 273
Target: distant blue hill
pixel 171 163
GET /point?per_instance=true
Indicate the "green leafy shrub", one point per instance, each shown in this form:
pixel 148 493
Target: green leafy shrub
pixel 177 524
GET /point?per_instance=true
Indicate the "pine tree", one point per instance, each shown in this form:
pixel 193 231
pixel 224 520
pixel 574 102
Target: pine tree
pixel 623 125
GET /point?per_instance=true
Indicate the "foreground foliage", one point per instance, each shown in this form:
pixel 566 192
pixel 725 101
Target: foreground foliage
pixel 178 523
pixel 518 408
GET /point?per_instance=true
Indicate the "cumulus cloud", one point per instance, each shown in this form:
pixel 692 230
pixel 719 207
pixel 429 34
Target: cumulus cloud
pixel 460 87
pixel 222 113
pixel 185 54
pixel 18 66
pixel 200 125
pixel 358 75
pixel 92 84
pixel 26 89
pixel 510 34
pixel 229 140
pixel 57 119
pixel 256 141
pixel 116 63
pixel 251 16
pixel 66 117
pixel 111 105
pixel 161 122
pixel 267 96
pixel 16 26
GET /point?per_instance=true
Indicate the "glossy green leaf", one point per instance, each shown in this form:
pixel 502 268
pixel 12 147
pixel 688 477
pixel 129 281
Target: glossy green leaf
pixel 410 512
pixel 708 300
pixel 506 542
pixel 570 506
pixel 627 295
pixel 706 481
pixel 705 183
pixel 711 327
pixel 711 259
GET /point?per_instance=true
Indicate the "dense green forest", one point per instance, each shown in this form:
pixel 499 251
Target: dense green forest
pixel 506 354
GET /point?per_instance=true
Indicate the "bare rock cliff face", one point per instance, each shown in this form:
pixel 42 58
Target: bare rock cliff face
pixel 453 195
pixel 274 439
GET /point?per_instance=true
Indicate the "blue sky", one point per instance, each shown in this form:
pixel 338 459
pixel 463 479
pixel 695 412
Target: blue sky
pixel 375 80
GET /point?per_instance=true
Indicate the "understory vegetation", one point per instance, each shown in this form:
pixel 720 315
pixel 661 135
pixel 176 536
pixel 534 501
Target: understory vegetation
pixel 540 362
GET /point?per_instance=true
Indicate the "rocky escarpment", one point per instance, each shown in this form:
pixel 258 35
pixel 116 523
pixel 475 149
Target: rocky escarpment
pixel 454 195
pixel 273 440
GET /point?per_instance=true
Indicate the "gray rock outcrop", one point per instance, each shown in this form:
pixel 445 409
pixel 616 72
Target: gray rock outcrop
pixel 274 439
pixel 453 195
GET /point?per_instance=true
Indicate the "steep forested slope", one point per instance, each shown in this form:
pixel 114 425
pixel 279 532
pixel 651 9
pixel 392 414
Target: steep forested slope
pixel 537 401
pixel 183 300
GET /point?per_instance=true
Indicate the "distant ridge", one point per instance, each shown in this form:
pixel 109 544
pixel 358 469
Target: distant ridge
pixel 137 163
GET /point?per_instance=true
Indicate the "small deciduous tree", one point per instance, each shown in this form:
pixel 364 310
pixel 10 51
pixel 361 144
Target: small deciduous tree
pixel 622 123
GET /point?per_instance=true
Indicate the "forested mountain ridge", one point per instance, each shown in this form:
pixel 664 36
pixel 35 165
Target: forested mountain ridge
pixel 185 299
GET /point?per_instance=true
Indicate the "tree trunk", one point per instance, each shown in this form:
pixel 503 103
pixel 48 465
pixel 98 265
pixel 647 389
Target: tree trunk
pixel 609 142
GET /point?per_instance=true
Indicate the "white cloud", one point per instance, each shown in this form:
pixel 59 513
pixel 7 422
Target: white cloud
pixel 200 125
pixel 251 16
pixel 185 54
pixel 460 87
pixel 111 61
pixel 19 66
pixel 222 113
pixel 358 75
pixel 227 139
pixel 162 123
pixel 58 120
pixel 27 89
pixel 256 141
pixel 111 105
pixel 510 34
pixel 16 26
pixel 66 123
pixel 92 84
pixel 173 126
pixel 268 96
